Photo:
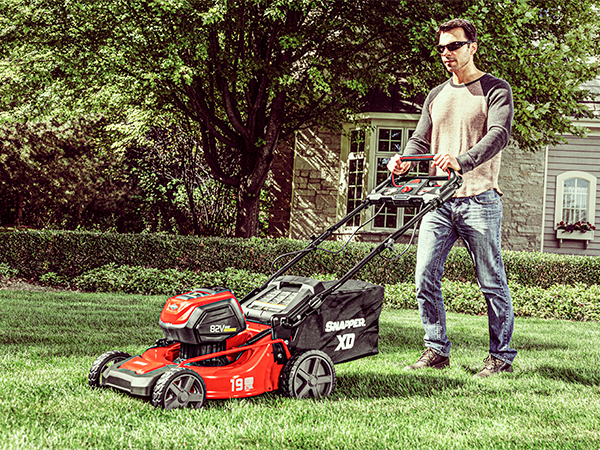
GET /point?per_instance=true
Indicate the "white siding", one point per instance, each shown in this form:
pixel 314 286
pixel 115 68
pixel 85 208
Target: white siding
pixel 578 154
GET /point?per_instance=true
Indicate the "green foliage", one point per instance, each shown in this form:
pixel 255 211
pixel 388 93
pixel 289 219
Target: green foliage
pixel 7 271
pixel 177 193
pixel 69 254
pixel 246 73
pixel 542 285
pixel 52 279
pixel 463 297
pixel 51 176
pixel 547 269
pixel 61 176
pixel 543 49
pixel 249 73
pixel 139 280
pixel 579 302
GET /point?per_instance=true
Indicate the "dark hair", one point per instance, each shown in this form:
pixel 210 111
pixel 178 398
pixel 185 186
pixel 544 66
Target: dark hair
pixel 468 27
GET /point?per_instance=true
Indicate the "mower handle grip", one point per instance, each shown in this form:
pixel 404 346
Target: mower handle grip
pixel 428 157
pixel 422 157
pixel 417 157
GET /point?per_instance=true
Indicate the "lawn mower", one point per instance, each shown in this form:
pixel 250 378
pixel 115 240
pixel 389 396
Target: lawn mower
pixel 285 335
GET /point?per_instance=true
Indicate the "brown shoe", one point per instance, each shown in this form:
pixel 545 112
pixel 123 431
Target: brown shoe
pixel 493 366
pixel 430 358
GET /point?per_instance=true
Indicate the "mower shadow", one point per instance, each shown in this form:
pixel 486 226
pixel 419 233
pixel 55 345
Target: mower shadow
pixel 585 377
pixel 401 385
pixel 410 337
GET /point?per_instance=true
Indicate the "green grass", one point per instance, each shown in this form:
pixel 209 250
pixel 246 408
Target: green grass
pixel 49 341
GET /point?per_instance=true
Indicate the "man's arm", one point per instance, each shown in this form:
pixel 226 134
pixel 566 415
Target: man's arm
pixel 419 142
pixel 499 121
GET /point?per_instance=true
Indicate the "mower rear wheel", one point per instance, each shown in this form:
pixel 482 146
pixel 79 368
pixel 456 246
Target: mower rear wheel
pixel 309 374
pixel 102 364
pixel 179 388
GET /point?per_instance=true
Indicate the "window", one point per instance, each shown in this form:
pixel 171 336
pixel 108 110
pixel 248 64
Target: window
pixel 356 167
pixel 575 200
pixel 575 197
pixel 368 152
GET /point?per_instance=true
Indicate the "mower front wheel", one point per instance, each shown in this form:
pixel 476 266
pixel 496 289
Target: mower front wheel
pixel 179 388
pixel 102 364
pixel 308 374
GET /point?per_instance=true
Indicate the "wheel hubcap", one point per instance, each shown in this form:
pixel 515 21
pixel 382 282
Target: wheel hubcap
pixel 183 397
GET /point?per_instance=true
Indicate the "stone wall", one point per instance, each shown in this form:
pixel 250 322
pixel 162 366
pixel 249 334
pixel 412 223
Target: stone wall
pixel 280 189
pixel 315 183
pixel 522 183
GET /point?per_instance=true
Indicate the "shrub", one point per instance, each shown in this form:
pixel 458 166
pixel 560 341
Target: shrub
pixel 139 280
pixel 71 254
pixel 548 269
pixel 53 279
pixel 7 272
pixel 577 302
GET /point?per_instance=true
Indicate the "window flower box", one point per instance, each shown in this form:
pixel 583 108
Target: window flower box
pixel 583 231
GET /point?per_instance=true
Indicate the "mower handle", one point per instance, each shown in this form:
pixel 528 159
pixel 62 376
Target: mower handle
pixel 448 189
pixel 452 175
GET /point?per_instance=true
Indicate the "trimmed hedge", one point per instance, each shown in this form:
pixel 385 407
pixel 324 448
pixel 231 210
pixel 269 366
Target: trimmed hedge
pixel 32 254
pixel 138 280
pixel 577 302
pixel 69 254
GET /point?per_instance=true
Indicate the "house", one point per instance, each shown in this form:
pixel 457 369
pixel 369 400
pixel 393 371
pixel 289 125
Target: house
pixel 322 174
pixel 571 188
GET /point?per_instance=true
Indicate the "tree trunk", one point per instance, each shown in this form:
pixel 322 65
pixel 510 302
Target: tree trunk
pixel 192 205
pixel 246 224
pixel 19 212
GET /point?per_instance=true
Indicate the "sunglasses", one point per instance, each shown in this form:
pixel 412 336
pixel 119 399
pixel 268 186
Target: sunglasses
pixel 452 46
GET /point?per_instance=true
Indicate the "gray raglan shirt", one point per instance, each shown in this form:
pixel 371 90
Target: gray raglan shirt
pixel 471 122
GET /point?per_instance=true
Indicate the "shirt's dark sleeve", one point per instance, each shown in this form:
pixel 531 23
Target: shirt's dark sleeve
pixel 420 141
pixel 499 121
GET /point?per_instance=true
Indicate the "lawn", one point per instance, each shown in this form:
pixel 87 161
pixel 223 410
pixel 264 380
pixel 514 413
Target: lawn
pixel 49 341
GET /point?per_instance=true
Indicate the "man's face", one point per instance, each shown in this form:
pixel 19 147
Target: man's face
pixel 458 59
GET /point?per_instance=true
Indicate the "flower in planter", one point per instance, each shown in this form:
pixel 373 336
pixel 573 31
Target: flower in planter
pixel 577 226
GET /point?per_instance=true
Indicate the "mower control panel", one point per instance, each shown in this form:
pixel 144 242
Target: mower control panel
pixel 403 191
pixel 408 193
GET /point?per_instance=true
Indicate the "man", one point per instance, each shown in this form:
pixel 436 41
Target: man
pixel 466 122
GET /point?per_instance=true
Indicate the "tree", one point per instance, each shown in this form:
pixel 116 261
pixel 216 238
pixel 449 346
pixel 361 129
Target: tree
pixel 169 164
pixel 55 175
pixel 250 72
pixel 49 175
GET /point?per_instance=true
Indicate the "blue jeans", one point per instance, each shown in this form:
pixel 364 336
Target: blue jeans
pixel 477 221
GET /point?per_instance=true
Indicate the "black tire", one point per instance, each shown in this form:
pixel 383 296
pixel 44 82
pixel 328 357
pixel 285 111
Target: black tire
pixel 309 374
pixel 101 365
pixel 179 388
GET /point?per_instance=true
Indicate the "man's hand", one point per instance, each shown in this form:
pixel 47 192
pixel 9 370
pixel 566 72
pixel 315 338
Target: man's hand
pixel 398 167
pixel 444 160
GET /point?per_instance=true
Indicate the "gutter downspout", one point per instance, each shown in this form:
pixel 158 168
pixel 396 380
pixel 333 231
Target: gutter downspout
pixel 544 199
